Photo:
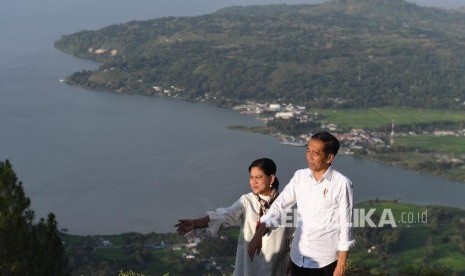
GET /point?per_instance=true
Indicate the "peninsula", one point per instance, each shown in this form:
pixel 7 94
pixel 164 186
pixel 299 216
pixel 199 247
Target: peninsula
pixel 386 76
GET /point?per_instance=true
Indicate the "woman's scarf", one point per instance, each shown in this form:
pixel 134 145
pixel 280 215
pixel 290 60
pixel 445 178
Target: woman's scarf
pixel 265 205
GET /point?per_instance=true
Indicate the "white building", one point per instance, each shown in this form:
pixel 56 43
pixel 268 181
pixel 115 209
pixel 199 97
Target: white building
pixel 274 107
pixel 284 115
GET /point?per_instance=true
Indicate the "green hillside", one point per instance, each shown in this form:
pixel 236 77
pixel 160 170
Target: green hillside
pixel 346 53
pixel 419 240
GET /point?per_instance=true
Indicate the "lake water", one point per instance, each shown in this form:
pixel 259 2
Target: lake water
pixel 109 163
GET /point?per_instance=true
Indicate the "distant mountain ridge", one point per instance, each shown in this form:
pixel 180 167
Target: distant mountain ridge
pixel 342 53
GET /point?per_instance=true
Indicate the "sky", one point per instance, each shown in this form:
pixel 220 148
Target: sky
pixel 440 3
pixel 447 4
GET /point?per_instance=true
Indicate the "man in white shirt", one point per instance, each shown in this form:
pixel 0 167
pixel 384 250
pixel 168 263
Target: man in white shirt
pixel 324 199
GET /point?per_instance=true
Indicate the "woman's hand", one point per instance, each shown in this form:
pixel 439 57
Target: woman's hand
pixel 185 225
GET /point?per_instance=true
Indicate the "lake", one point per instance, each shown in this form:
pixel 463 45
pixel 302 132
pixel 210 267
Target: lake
pixel 108 163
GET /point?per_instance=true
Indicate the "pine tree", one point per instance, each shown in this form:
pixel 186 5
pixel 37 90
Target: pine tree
pixel 26 248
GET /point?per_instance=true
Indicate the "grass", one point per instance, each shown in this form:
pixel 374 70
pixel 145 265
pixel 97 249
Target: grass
pixel 443 144
pixel 115 239
pixel 232 233
pixel 411 249
pixel 111 254
pixel 161 262
pixel 405 215
pixel 412 246
pixel 363 257
pixel 411 152
pixel 71 239
pixel 412 255
pixel 381 117
pixel 454 261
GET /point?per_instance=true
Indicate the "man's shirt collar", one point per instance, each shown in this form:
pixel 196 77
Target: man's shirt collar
pixel 328 175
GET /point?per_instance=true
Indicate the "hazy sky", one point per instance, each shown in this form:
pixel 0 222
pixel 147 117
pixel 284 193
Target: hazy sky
pixel 440 3
pixel 430 3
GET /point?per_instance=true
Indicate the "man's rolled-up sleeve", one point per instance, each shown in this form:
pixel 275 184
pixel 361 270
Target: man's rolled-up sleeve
pixel 346 218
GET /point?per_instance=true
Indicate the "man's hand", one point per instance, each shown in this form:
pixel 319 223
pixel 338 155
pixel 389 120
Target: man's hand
pixel 255 245
pixel 340 269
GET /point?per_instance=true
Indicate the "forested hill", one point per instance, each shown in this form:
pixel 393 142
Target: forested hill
pixel 345 53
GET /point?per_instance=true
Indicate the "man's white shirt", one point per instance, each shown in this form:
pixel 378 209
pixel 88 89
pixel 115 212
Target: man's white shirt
pixel 325 216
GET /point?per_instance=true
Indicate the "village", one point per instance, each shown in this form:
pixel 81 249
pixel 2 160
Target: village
pixel 353 141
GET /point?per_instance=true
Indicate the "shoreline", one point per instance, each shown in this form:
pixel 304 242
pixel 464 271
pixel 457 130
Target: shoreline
pixel 386 158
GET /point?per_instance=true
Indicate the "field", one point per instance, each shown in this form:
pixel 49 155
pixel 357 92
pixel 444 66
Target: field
pixel 428 141
pixel 381 117
pixel 443 144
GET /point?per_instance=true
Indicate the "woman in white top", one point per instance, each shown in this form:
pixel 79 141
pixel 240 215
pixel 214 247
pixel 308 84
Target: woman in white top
pixel 274 257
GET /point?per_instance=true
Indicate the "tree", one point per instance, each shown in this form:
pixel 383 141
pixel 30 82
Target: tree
pixel 26 248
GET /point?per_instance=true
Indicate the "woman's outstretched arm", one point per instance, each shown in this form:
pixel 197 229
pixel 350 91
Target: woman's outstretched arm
pixel 186 225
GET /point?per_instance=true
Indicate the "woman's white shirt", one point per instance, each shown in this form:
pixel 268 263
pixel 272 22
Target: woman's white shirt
pixel 274 254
